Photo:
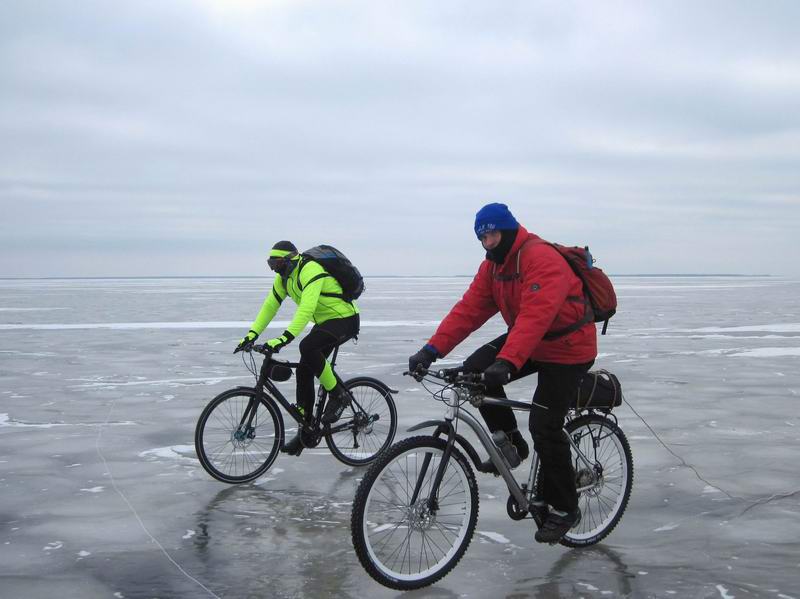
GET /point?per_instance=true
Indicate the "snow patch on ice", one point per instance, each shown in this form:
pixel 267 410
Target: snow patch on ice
pixel 172 452
pixel 94 490
pixel 784 327
pixel 175 382
pixel 84 553
pixel 494 536
pixel 6 421
pixel 30 309
pixel 670 526
pixel 768 352
pixel 189 534
pixel 724 592
pixel 234 325
pixel 52 546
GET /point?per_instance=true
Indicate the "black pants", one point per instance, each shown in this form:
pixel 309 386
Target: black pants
pixel 558 383
pixel 315 349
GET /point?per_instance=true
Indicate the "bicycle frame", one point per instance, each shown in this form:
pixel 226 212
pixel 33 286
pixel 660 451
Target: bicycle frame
pixel 264 383
pixel 522 494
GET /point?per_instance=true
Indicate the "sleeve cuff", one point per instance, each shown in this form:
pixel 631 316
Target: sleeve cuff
pixel 429 348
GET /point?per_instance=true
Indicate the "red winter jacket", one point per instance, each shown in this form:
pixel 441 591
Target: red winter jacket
pixel 546 296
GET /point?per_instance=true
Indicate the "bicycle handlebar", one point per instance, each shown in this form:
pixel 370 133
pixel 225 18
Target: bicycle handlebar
pixel 449 375
pixel 261 348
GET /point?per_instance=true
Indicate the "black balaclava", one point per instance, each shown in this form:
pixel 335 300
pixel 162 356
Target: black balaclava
pixel 500 252
pixel 287 249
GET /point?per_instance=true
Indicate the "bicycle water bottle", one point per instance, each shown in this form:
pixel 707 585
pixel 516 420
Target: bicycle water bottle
pixel 506 447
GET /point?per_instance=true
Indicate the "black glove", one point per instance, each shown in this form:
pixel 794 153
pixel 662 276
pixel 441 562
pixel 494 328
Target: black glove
pixel 424 358
pixel 498 374
pixel 246 344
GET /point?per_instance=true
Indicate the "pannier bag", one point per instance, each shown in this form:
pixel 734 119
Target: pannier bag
pixel 598 390
pixel 340 268
pixel 278 371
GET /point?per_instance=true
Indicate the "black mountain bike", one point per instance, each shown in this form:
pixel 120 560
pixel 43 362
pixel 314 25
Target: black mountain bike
pixel 241 431
pixel 416 508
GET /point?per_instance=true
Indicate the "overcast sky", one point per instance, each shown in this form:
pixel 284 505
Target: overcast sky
pixel 184 138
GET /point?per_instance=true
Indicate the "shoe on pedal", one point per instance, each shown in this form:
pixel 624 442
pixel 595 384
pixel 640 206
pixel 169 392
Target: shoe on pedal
pixel 557 525
pixel 518 441
pixel 295 446
pixel 338 400
pixel 488 467
pixel 540 511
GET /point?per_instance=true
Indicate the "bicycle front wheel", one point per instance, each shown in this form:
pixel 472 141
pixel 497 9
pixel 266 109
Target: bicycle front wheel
pixel 401 542
pixel 367 426
pixel 604 488
pixel 233 444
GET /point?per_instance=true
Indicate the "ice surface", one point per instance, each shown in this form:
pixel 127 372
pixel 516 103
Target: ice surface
pixel 102 495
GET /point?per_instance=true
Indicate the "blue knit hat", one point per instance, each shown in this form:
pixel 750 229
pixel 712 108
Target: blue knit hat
pixel 494 217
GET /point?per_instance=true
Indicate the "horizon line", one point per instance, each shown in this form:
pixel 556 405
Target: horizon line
pixel 133 277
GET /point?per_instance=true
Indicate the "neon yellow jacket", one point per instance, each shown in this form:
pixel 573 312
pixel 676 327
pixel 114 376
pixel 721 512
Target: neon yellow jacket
pixel 308 285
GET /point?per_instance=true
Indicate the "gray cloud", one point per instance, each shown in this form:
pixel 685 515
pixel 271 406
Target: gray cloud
pixel 183 138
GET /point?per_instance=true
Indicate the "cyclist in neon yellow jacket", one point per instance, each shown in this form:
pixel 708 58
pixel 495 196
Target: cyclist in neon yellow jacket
pixel 318 298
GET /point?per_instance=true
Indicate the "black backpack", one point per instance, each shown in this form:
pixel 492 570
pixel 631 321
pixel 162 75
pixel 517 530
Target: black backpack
pixel 336 265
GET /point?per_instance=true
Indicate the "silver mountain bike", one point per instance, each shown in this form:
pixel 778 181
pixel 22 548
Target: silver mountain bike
pixel 416 508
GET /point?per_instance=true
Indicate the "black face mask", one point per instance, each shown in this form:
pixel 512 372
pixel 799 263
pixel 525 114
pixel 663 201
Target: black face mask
pixel 288 267
pixel 282 266
pixel 500 252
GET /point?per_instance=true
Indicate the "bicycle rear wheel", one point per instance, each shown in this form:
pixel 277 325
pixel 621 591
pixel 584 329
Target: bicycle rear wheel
pixel 606 486
pixel 403 544
pixel 233 452
pixel 367 426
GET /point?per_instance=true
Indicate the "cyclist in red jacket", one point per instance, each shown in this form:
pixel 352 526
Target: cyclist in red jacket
pixel 539 297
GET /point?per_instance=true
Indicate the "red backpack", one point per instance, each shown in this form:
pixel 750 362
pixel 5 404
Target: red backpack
pixel 601 300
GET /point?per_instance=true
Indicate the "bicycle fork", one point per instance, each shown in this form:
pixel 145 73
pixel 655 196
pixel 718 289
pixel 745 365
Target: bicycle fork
pixel 432 502
pixel 246 430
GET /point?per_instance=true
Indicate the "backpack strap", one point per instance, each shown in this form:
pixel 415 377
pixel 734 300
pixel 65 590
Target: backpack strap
pixel 321 275
pixel 588 312
pixel 514 276
pixel 588 316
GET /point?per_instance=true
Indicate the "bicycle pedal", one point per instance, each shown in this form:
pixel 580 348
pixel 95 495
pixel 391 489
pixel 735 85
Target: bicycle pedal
pixel 488 467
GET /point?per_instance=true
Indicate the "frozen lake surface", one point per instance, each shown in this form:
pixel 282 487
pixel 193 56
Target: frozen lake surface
pixel 101 494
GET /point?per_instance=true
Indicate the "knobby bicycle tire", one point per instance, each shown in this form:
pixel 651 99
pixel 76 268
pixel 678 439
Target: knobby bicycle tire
pixel 365 524
pixel 617 459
